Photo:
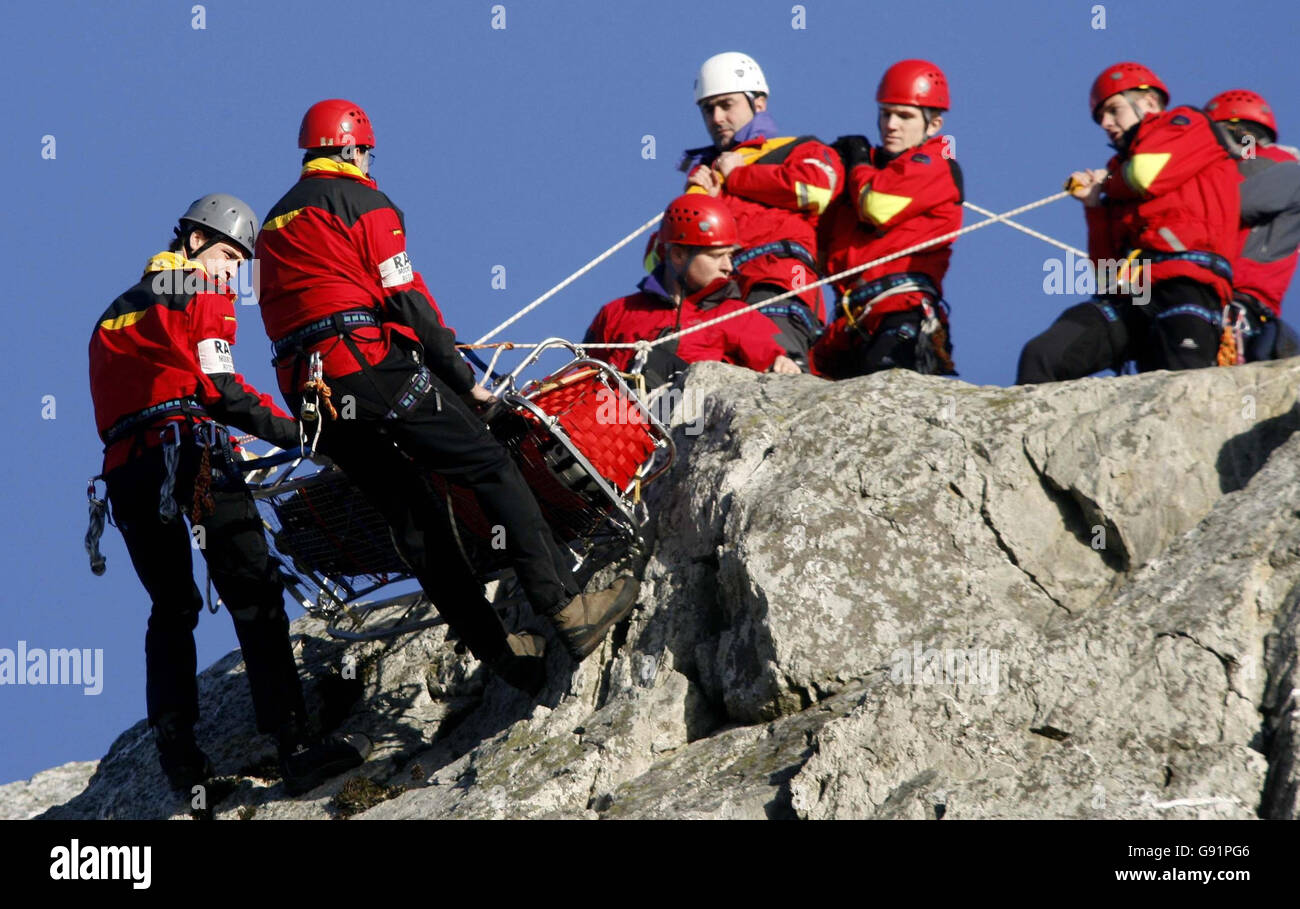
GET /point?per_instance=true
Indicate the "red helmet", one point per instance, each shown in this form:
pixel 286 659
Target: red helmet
pixel 916 82
pixel 697 219
pixel 1120 78
pixel 1239 104
pixel 335 122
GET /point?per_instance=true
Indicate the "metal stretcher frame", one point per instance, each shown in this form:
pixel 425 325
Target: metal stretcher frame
pixel 320 526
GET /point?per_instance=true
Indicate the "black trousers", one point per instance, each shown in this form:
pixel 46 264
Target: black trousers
pixel 799 326
pixel 1177 329
pixel 891 346
pixel 386 458
pixel 234 546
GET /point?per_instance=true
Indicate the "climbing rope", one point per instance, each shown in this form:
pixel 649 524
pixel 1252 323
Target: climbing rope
pixel 1232 340
pixel 849 272
pixel 98 515
pixel 203 504
pixel 571 278
pixel 643 347
pixel 1052 241
pixel 325 395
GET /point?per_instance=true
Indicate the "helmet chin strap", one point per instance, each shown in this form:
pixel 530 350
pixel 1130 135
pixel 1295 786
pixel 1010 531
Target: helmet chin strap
pixel 679 276
pixel 185 243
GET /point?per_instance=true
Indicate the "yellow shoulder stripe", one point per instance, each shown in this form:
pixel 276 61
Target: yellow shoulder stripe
pixel 881 207
pixel 280 221
pixel 125 320
pixel 1141 171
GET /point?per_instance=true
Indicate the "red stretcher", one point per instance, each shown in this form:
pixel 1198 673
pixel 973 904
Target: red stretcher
pixel 585 443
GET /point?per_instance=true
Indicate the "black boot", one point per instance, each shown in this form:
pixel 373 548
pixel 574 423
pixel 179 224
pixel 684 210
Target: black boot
pixel 306 760
pixel 184 764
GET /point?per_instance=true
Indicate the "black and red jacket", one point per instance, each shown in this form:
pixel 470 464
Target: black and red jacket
pixel 169 338
pixel 1175 179
pixel 779 193
pixel 891 204
pixel 334 244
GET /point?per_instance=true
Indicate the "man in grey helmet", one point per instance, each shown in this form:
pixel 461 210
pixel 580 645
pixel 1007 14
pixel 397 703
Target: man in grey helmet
pixel 163 382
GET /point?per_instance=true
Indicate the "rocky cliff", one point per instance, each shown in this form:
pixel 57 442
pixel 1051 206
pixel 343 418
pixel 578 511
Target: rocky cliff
pixel 894 597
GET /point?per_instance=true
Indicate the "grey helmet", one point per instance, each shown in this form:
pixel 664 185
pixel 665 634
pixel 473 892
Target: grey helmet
pixel 226 215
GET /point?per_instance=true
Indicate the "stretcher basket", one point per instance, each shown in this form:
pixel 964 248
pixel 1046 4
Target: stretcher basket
pixel 584 443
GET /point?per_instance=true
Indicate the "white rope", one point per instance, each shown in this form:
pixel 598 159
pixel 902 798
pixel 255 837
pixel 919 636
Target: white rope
pixel 571 278
pixel 848 272
pixel 992 218
pixel 1027 230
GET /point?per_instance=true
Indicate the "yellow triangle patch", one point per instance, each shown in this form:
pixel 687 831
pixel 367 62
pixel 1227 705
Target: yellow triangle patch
pixel 123 321
pixel 1143 169
pixel 277 223
pixel 880 207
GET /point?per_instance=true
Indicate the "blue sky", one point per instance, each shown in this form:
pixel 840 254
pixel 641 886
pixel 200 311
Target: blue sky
pixel 519 147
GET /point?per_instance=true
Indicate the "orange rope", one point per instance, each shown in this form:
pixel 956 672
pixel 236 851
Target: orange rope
pixel 1227 347
pixel 940 341
pixel 1230 352
pixel 326 395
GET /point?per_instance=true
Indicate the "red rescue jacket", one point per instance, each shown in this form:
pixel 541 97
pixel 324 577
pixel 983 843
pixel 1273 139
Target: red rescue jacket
pixel 1264 281
pixel 335 243
pixel 891 204
pixel 1177 175
pixel 746 340
pixel 169 337
pixel 779 194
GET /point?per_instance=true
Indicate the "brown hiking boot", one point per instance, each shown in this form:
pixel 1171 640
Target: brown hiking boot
pixel 584 622
pixel 523 663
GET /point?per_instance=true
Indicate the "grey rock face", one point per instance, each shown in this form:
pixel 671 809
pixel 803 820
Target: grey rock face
pixel 893 597
pixel 26 799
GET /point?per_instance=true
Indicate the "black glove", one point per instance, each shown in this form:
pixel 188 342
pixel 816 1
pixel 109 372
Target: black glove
pixel 853 150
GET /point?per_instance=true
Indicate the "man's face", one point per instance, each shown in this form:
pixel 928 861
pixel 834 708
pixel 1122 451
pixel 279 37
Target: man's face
pixel 705 267
pixel 220 260
pixel 902 126
pixel 1118 115
pixel 725 114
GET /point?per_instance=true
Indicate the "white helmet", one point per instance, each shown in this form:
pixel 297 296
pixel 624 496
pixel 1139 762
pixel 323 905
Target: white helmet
pixel 722 74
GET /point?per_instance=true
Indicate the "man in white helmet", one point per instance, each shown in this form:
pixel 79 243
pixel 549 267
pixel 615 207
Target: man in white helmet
pixel 775 186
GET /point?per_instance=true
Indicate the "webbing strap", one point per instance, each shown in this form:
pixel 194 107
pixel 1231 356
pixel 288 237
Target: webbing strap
pixel 785 248
pixel 142 419
pixel 416 389
pixel 1214 262
pixel 339 323
pixel 864 294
